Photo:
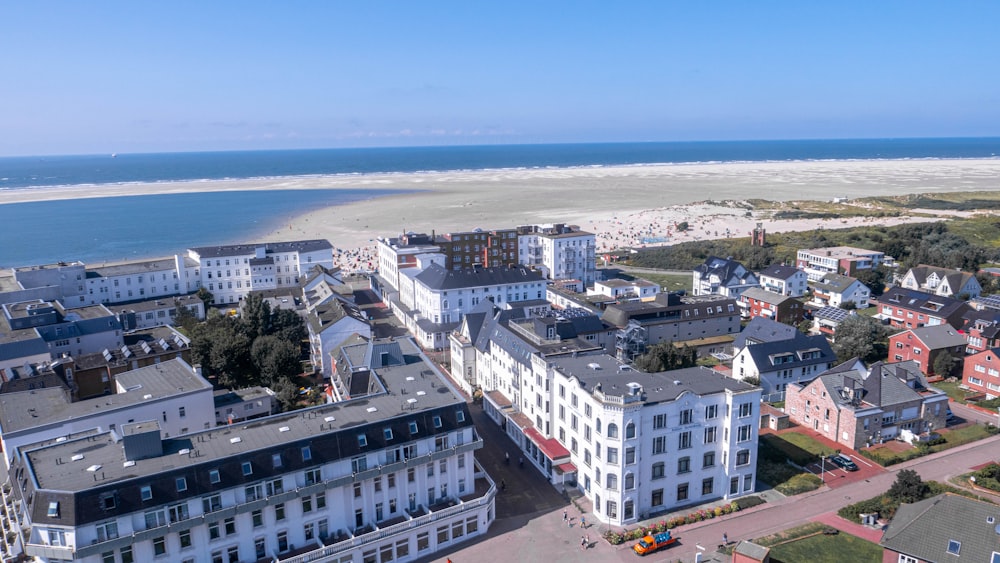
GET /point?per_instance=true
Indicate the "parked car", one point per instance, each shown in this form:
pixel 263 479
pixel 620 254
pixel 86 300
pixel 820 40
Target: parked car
pixel 651 543
pixel 844 462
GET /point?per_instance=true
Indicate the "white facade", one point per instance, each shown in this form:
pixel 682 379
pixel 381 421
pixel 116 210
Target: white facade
pixel 559 252
pixel 229 273
pixel 619 289
pixel 639 454
pixel 795 285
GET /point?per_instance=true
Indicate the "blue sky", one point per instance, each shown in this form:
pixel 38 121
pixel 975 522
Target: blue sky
pixel 96 77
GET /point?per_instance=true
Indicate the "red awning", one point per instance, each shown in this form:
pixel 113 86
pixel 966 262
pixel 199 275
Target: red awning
pixel 549 446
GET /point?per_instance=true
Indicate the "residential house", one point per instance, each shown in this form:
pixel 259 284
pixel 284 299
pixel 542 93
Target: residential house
pixel 837 290
pixel 784 280
pixel 909 308
pixel 947 527
pixel 981 372
pixel 847 260
pixel 559 251
pixel 726 277
pixel 780 363
pixel 858 406
pixel 757 302
pixel 942 281
pixel 982 330
pixel 827 319
pixel 924 345
pixel 35 331
pixel 238 405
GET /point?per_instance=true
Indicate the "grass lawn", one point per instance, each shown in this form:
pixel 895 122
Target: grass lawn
pixel 668 282
pixel 827 549
pixel 953 438
pixel 807 443
pixel 954 392
pixel 799 448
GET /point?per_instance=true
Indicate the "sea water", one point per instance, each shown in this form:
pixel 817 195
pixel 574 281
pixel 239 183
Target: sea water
pixel 116 228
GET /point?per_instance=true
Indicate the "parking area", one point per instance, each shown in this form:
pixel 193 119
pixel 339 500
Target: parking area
pixel 834 476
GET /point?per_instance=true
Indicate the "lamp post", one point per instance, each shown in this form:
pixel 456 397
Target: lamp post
pixel 822 468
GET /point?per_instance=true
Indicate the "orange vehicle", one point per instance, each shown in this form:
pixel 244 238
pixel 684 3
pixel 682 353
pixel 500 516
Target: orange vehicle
pixel 651 543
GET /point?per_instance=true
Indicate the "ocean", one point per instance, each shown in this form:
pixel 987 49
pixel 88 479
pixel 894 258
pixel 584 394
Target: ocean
pixel 116 228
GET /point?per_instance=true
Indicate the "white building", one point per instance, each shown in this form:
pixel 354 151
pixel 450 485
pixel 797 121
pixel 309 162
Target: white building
pixel 637 289
pixel 835 290
pixel 560 251
pixel 32 330
pixel 399 253
pixel 171 392
pixel 784 280
pixel 722 276
pixel 847 260
pixel 360 480
pixel 640 444
pixel 230 272
pixel 440 297
pixel 781 358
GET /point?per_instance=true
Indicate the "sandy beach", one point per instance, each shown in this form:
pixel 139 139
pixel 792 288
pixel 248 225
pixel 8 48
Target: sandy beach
pixel 623 205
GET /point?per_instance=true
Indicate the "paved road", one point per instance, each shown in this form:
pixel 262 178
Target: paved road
pixel 537 533
pixel 965 414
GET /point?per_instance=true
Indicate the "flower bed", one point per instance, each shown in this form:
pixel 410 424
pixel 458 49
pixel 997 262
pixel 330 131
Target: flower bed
pixel 616 538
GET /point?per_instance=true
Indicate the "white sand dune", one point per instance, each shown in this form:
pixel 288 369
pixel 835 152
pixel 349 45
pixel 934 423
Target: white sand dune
pixel 622 204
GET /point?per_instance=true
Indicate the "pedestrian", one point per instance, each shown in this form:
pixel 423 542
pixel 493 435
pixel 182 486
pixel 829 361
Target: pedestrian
pixel 506 458
pixel 565 515
pixel 583 521
pixel 503 485
pixel 588 539
pixel 583 543
pixel 520 462
pixel 725 539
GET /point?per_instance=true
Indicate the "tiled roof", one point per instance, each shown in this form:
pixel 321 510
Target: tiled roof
pixel 945 528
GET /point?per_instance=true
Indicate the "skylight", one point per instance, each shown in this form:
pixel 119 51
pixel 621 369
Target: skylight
pixel 954 547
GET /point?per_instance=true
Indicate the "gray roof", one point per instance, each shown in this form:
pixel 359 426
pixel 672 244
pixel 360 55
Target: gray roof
pixel 833 283
pixel 956 278
pixel 730 272
pixel 127 268
pixel 766 296
pixel 928 303
pixel 764 354
pixel 852 386
pixel 938 336
pixel 31 409
pixel 667 308
pixel 269 247
pixel 926 529
pixel 413 397
pixel 780 271
pixel 612 378
pixel 761 329
pixel 437 277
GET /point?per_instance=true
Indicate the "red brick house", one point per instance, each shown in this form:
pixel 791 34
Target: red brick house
pixel 924 345
pixel 982 330
pixel 981 372
pixel 858 406
pixel 757 302
pixel 909 308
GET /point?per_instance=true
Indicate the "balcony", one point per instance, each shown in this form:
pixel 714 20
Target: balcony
pixel 422 517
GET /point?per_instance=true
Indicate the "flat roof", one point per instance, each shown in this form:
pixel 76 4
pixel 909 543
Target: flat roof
pixel 410 390
pixel 31 409
pixel 136 267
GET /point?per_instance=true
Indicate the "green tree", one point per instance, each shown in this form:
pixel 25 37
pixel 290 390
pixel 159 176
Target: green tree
pixel 665 357
pixel 874 279
pixel 288 325
pixel 861 337
pixel 229 358
pixel 944 363
pixel 274 359
pixel 908 487
pixel 255 316
pixel 184 318
pixel 206 296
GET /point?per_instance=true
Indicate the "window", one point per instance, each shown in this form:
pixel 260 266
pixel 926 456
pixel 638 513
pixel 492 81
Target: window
pixel 629 431
pixel 185 538
pixel 684 465
pixel 629 456
pixel 276 460
pixel 907 559
pixel 359 464
pixel 734 485
pixel 748 482
pixel 313 476
pixel 306 453
pixel 279 512
pixel 745 409
pixel 211 504
pixel 658 470
pixel 230 525
pixel 178 512
pixel 257 517
pixel 181 484
pixel 362 440
pixel 213 531
pixel 629 481
pixel 682 491
pixel 659 444
pixel 247 468
pixel 954 547
pixel 657 499
pixel 275 487
pixel 387 432
pixel 612 481
pixel 437 421
pixel 708 460
pixel 710 435
pixel 214 477
pixel 612 430
pixel 254 492
pixel 707 485
pixel 684 440
pixel 687 415
pixel 743 433
pixel 413 428
pixel 742 457
pixel 159 546
pixel 107 531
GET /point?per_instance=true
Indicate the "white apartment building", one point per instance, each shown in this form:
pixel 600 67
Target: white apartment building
pixel 784 280
pixel 847 260
pixel 639 444
pixel 171 392
pixel 399 253
pixel 638 289
pixel 361 480
pixel 440 297
pixel 560 251
pixel 230 272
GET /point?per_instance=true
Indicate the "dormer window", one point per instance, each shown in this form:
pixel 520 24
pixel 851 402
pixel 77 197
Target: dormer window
pixel 954 547
pixel 362 440
pixel 387 432
pixel 53 510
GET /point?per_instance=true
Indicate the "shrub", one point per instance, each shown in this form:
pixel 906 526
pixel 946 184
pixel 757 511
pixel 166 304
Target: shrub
pixel 744 503
pixel 800 483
